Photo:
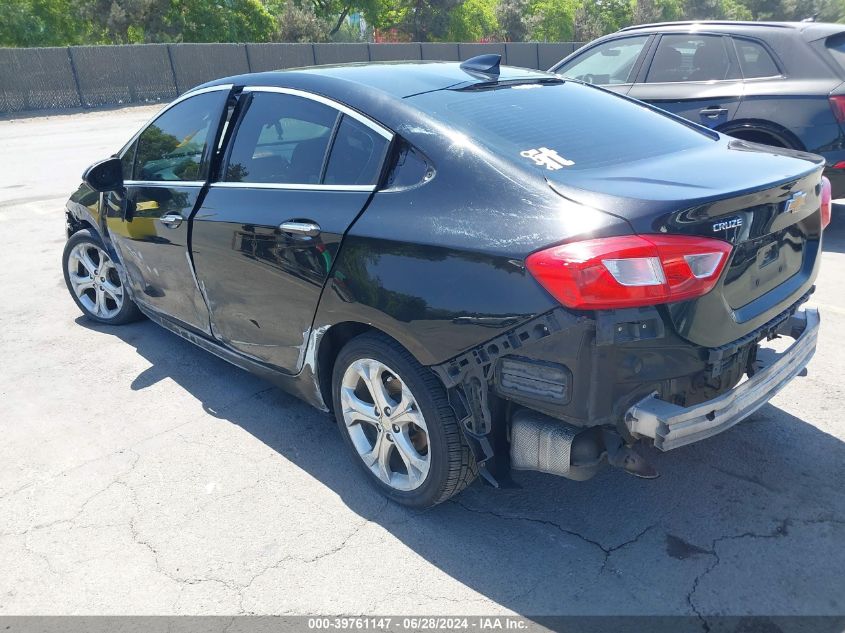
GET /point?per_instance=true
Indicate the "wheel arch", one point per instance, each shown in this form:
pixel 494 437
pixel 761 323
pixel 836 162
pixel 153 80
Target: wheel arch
pixel 75 225
pixel 334 337
pixel 331 342
pixel 757 130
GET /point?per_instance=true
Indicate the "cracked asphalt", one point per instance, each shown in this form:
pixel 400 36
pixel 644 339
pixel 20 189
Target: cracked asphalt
pixel 141 475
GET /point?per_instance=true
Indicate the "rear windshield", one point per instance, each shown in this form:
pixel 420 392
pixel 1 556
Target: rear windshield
pixel 560 127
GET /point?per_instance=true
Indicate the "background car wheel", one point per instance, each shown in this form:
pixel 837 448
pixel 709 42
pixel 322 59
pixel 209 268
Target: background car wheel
pixel 94 283
pixel 394 415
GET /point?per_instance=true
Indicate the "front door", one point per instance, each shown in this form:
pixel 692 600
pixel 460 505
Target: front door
pixel 695 76
pixel 298 172
pixel 166 172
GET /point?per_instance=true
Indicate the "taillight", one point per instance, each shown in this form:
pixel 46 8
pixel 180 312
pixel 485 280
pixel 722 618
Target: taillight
pixel 826 201
pixel 629 271
pixel 837 104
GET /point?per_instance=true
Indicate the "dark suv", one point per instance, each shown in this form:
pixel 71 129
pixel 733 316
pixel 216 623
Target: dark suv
pixel 779 83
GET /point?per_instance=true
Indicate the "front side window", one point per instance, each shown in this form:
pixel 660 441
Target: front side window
pixel 608 63
pixel 173 147
pixel 127 161
pixel 281 139
pixel 689 58
pixel 754 60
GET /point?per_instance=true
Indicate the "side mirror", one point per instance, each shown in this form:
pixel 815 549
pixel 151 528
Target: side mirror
pixel 104 175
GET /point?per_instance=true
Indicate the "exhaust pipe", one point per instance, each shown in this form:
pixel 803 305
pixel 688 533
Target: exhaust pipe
pixel 542 443
pixel 545 444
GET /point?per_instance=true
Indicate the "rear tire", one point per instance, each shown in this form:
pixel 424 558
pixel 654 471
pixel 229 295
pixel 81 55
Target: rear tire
pixel 395 417
pixel 94 283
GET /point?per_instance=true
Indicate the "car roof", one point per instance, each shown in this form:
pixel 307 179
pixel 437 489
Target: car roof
pixel 396 79
pixel 809 30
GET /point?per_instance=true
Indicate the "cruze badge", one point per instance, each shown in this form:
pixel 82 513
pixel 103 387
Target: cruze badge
pixel 795 202
pixel 547 157
pixel 733 223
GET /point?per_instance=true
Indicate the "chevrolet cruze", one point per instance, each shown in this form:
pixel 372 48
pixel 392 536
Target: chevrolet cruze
pixel 475 268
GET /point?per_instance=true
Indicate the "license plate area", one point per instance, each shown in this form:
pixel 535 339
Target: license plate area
pixel 761 265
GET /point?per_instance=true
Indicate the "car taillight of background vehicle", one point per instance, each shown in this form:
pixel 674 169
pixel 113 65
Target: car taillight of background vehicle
pixel 826 202
pixel 837 104
pixel 630 270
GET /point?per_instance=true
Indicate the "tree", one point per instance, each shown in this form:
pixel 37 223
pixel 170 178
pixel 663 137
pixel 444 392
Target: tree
pixel 594 19
pixel 716 10
pixel 512 16
pixel 222 21
pixel 765 9
pixel 39 23
pixel 472 21
pixel 422 20
pixel 551 20
pixel 300 24
pixel 649 11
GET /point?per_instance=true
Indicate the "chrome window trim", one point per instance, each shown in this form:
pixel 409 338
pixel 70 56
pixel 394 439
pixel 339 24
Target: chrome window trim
pixel 164 183
pixel 296 186
pixel 183 97
pixel 376 127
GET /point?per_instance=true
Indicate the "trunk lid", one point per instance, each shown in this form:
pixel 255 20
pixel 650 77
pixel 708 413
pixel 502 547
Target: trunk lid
pixel 763 200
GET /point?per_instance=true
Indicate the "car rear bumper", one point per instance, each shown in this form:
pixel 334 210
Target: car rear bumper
pixel 671 426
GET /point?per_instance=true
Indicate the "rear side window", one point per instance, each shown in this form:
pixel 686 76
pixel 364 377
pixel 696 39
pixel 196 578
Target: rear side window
pixel 689 58
pixel 560 128
pixel 835 45
pixel 608 63
pixel 754 60
pixel 356 156
pixel 173 147
pixel 281 139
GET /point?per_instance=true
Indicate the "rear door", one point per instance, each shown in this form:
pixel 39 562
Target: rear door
pixel 167 168
pixel 612 64
pixel 298 171
pixel 693 75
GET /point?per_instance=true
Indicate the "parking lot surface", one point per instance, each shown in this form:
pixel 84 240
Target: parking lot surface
pixel 139 474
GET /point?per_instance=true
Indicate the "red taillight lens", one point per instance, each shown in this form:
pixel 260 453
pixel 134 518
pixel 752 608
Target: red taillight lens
pixel 826 201
pixel 837 104
pixel 629 271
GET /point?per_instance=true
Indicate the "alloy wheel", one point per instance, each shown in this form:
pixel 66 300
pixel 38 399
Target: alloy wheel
pixel 385 424
pixel 95 281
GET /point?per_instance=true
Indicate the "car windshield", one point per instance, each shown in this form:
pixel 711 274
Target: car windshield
pixel 560 127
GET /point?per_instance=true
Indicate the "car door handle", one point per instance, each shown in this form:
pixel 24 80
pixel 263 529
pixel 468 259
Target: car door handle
pixel 713 111
pixel 171 220
pixel 307 229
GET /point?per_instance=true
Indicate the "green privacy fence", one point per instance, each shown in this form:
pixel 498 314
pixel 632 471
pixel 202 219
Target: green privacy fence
pixel 90 76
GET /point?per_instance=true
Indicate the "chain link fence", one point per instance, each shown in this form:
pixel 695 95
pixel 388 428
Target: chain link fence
pixel 90 76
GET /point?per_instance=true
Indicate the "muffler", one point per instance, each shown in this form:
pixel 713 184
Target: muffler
pixel 542 443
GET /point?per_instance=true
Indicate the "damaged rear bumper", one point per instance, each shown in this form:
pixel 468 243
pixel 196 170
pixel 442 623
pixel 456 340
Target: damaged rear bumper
pixel 671 426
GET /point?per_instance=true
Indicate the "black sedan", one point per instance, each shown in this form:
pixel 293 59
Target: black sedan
pixel 477 269
pixel 779 83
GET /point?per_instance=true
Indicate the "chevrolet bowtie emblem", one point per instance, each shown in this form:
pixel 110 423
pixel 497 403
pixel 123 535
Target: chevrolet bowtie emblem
pixel 795 202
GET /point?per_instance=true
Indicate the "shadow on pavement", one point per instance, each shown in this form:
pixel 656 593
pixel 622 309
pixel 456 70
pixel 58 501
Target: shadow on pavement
pixel 751 509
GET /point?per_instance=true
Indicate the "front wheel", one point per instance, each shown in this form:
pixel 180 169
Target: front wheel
pixel 94 282
pixel 395 417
